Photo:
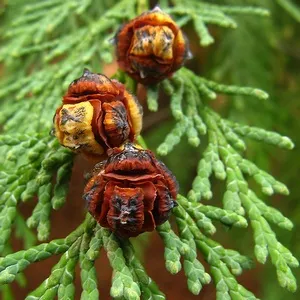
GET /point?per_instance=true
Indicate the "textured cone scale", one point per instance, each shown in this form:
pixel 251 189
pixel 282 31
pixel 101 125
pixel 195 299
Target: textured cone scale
pixel 151 47
pixel 97 114
pixel 132 192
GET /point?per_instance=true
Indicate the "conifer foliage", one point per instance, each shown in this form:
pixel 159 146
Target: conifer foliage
pixel 47 44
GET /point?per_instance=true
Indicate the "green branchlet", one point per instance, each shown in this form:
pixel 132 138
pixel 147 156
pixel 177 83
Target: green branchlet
pixel 172 252
pixel 223 158
pixel 290 8
pixel 190 122
pixel 88 274
pixel 209 213
pixel 220 259
pixel 123 284
pixel 202 13
pixel 175 247
pixel 33 164
pixel 241 198
pixel 95 245
pixel 149 289
pixel 152 98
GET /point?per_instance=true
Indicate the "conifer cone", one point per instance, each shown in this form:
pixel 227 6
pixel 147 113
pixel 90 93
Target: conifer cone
pixel 151 47
pixel 97 114
pixel 132 192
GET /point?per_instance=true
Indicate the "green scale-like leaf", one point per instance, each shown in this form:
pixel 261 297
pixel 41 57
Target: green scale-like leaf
pixel 45 46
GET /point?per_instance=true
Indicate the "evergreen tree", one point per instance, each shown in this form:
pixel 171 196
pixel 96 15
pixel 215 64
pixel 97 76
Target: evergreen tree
pixel 47 44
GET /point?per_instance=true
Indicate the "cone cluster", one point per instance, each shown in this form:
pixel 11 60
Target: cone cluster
pixel 130 191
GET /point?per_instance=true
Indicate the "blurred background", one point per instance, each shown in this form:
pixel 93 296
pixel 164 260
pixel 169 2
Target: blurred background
pixel 263 53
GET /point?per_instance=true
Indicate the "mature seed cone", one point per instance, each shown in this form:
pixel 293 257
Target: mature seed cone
pixel 151 47
pixel 97 114
pixel 132 192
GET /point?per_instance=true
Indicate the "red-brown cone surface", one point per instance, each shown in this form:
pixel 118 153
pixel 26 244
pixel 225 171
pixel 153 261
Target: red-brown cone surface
pixel 97 114
pixel 132 192
pixel 151 47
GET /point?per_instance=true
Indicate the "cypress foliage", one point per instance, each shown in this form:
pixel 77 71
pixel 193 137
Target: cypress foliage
pixel 48 44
